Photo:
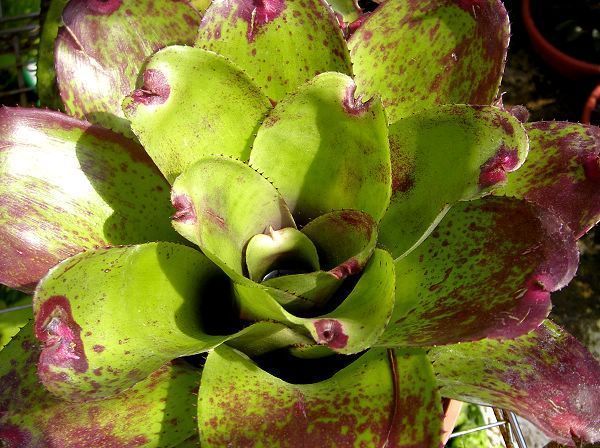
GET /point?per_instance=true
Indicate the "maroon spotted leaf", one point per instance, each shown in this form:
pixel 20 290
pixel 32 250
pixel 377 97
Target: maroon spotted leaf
pixel 546 376
pixel 486 271
pixel 562 173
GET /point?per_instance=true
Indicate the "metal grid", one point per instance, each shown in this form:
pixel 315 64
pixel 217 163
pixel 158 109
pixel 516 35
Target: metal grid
pixel 507 423
pixel 18 36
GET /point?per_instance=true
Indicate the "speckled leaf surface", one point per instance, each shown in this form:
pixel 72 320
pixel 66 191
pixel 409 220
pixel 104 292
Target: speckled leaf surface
pixel 417 53
pixel 221 203
pixel 46 87
pixel 353 326
pixel 324 149
pixel 486 271
pixel 66 185
pixel 104 44
pixel 157 412
pixel 108 318
pixel 562 173
pixel 441 156
pixel 546 376
pixel 381 399
pixel 194 103
pixel 344 239
pixel 280 43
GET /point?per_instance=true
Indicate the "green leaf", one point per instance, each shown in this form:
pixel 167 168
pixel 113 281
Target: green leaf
pixel 280 249
pixel 194 103
pixel 355 325
pixel 110 317
pixel 562 173
pixel 47 90
pixel 486 271
pixel 325 150
pixel 104 44
pixel 303 292
pixel 381 399
pixel 281 44
pixel 221 203
pixel 419 54
pixel 156 412
pixel 12 317
pixel 441 156
pixel 546 376
pixel 65 186
pixel 345 240
pixel 349 10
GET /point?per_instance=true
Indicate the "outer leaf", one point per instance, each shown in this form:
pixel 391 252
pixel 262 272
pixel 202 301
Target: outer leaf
pixel 382 399
pixel 66 185
pixel 355 325
pixel 280 43
pixel 325 150
pixel 221 203
pixel 546 376
pixel 103 45
pixel 110 317
pixel 46 87
pixel 157 412
pixel 441 156
pixel 194 103
pixel 562 173
pixel 418 53
pixel 486 271
pixel 345 240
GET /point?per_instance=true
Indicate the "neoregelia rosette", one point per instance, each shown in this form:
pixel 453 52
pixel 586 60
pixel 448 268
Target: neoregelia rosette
pixel 350 200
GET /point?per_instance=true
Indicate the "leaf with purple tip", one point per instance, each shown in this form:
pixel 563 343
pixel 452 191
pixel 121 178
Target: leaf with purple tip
pixel 418 53
pixel 546 376
pixel 157 412
pixel 444 155
pixel 66 186
pixel 221 203
pixel 194 103
pixel 280 43
pixel 311 144
pixel 381 399
pixel 104 44
pixel 486 271
pixel 561 173
pixel 110 317
pixel 352 326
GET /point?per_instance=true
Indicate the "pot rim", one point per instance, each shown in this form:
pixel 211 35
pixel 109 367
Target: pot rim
pixel 550 49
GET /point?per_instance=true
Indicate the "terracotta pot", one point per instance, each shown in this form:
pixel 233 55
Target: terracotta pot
pixel 451 411
pixel 561 62
pixel 592 102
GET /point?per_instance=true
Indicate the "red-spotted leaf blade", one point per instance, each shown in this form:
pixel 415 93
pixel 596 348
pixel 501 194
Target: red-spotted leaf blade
pixel 562 173
pixel 281 44
pixel 65 186
pixel 157 412
pixel 104 44
pixel 419 53
pixel 546 376
pixel 486 271
pixel 382 399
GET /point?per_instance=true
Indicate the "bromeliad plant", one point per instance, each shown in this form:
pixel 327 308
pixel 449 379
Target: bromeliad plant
pixel 350 241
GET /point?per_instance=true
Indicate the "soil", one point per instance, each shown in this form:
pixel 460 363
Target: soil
pixel 571 26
